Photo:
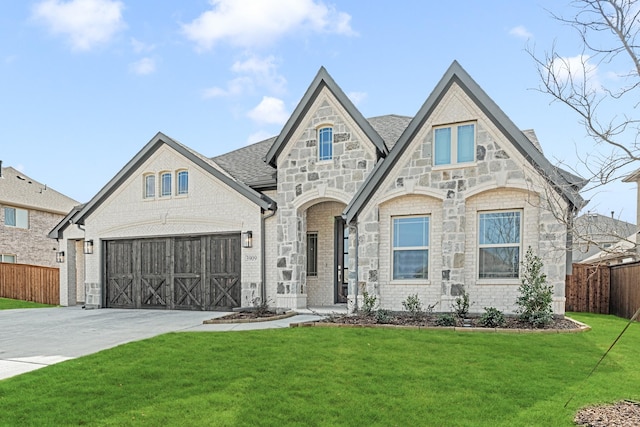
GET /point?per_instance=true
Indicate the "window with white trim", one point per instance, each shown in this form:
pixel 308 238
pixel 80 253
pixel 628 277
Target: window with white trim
pixel 16 217
pixel 410 258
pixel 454 144
pixel 149 186
pixel 182 180
pixel 325 143
pixel 10 259
pixel 499 244
pixel 165 184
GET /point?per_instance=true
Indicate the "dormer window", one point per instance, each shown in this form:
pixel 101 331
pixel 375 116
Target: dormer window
pixel 325 143
pixel 165 184
pixel 454 144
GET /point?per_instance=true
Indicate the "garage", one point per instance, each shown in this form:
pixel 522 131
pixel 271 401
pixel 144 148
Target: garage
pixel 179 272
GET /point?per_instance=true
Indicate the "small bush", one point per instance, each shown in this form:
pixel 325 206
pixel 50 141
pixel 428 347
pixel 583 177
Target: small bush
pixel 368 303
pixel 446 319
pixel 383 316
pixel 414 306
pixel 461 305
pixel 492 318
pixel 536 295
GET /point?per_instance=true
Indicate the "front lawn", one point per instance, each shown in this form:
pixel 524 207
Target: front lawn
pixel 334 376
pixel 7 304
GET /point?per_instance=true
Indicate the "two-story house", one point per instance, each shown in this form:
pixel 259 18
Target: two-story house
pixel 331 207
pixel 28 212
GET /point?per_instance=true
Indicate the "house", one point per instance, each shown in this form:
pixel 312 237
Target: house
pixel 334 206
pixel 596 234
pixel 28 211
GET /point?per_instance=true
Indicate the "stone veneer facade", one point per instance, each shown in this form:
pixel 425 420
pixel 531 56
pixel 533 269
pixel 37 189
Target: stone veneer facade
pixel 303 181
pixel 499 179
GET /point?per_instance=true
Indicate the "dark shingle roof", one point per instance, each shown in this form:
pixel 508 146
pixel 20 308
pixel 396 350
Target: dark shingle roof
pixel 390 127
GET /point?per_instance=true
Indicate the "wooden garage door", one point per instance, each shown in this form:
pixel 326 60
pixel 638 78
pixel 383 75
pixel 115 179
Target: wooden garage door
pixel 189 273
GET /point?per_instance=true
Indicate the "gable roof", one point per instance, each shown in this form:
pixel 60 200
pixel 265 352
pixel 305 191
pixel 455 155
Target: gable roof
pixel 247 164
pixel 17 189
pixel 322 80
pixel 152 146
pixel 566 184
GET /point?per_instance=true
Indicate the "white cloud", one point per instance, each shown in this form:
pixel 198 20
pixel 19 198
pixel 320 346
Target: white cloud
pixel 140 47
pixel 258 136
pixel 235 87
pixel 86 23
pixel 576 69
pixel 144 66
pixel 357 97
pixel 270 110
pixel 521 32
pixel 259 22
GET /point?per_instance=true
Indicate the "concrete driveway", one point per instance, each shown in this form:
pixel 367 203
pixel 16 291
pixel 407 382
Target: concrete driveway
pixel 33 338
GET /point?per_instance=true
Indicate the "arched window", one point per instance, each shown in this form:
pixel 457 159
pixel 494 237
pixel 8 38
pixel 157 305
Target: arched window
pixel 165 184
pixel 149 186
pixel 183 182
pixel 325 143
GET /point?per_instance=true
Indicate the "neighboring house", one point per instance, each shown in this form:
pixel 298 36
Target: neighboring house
pixel 333 206
pixel 28 211
pixel 595 233
pixel 621 252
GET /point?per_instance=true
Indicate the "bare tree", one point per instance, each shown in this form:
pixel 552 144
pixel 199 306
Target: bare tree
pixel 609 32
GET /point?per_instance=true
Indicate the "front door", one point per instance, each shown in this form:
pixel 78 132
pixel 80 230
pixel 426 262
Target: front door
pixel 341 263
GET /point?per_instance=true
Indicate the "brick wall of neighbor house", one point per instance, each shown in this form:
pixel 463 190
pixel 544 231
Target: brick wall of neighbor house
pixel 125 214
pixel 304 181
pixel 321 220
pixel 31 246
pixel 499 179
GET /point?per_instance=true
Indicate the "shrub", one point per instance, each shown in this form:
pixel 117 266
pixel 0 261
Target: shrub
pixel 461 305
pixel 383 316
pixel 446 319
pixel 369 302
pixel 536 296
pixel 492 318
pixel 413 305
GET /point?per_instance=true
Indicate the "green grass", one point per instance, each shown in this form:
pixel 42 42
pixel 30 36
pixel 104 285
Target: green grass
pixel 8 304
pixel 333 376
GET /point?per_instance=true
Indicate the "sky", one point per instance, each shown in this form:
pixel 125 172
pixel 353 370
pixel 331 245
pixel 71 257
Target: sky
pixel 85 84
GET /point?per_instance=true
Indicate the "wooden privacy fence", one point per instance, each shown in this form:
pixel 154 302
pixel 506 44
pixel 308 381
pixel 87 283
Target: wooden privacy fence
pixel 604 289
pixel 588 289
pixel 625 289
pixel 30 283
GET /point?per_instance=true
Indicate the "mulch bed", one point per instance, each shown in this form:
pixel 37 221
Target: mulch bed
pixel 429 320
pixel 250 316
pixel 622 414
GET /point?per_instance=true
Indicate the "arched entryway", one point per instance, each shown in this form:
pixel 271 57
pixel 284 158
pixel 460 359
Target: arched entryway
pixel 327 248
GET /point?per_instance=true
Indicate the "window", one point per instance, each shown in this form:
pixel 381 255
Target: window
pixel 312 254
pixel 149 186
pixel 15 217
pixel 183 182
pixel 410 248
pixel 325 144
pixel 165 184
pixel 11 259
pixel 499 245
pixel 454 144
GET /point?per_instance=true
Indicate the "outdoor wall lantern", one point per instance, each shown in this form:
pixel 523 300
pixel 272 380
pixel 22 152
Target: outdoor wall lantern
pixel 247 239
pixel 60 256
pixel 88 247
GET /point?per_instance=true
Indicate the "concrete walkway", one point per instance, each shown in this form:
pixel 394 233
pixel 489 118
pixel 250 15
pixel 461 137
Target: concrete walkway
pixel 34 338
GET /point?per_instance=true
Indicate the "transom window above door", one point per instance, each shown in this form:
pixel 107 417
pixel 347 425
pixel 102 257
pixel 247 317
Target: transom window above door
pixel 455 144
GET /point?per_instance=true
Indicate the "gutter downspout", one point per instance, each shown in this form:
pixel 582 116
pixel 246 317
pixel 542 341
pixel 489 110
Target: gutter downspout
pixel 263 256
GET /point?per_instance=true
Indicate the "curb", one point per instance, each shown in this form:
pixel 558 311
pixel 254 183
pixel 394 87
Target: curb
pixel 222 320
